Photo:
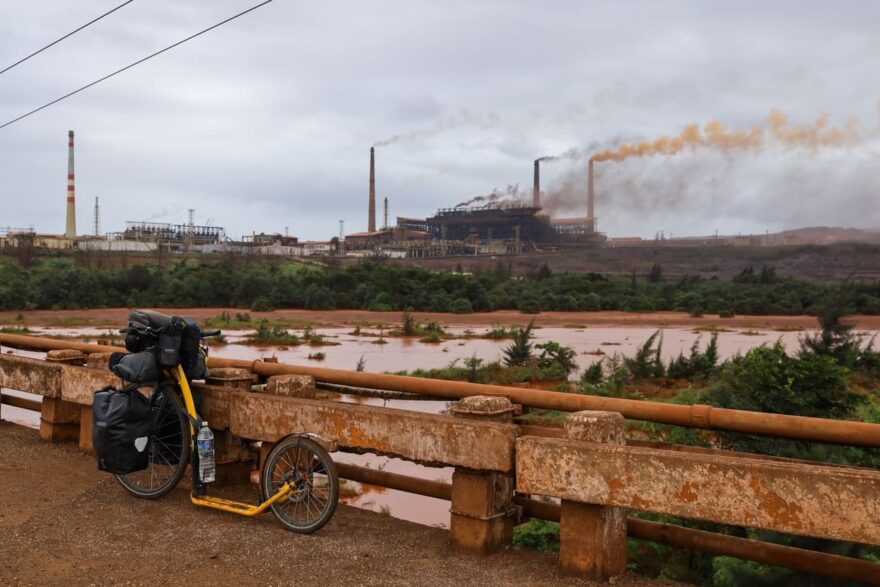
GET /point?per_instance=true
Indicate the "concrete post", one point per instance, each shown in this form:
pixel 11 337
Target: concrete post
pixel 593 537
pixel 232 455
pixel 101 362
pixel 231 377
pixel 482 512
pixel 300 386
pixel 59 420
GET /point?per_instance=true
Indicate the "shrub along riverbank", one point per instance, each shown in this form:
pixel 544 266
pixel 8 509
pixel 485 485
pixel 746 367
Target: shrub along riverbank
pixel 834 374
pixel 370 285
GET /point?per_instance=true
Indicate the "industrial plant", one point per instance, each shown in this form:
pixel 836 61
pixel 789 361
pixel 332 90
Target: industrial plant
pixel 498 224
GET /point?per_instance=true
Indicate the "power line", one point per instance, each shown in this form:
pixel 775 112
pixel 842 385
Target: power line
pixel 19 62
pixel 139 61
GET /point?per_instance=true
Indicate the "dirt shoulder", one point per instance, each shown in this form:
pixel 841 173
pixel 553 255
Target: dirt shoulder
pixel 62 522
pixel 117 317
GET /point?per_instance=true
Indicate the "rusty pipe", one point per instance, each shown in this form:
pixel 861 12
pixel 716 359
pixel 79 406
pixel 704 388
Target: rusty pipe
pixel 800 559
pixel 436 489
pixel 38 343
pixel 21 402
pixel 693 416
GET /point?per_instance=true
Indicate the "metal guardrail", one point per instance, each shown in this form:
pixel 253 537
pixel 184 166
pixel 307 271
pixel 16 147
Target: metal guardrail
pixel 693 416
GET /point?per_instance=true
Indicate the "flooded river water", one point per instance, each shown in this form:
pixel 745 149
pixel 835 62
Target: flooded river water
pixel 399 354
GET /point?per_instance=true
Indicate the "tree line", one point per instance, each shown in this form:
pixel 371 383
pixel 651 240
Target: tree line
pixel 59 283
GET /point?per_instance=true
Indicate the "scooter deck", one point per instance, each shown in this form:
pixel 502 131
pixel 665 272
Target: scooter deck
pixel 237 507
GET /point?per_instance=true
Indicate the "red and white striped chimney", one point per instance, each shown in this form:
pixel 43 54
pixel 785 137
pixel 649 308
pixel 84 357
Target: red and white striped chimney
pixel 70 231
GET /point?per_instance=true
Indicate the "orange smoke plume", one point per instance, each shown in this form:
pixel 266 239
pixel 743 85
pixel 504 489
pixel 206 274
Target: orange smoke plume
pixel 714 135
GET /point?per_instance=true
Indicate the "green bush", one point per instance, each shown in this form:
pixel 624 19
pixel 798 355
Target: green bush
pixel 461 306
pixel 262 304
pixel 538 534
pixel 557 357
pixel 647 363
pixel 529 305
pixel 519 352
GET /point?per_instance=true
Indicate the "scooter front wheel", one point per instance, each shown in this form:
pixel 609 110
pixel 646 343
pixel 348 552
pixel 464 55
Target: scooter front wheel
pixel 311 473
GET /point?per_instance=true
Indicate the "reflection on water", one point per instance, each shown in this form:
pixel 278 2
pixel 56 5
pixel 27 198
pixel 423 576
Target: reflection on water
pixel 400 504
pixel 400 354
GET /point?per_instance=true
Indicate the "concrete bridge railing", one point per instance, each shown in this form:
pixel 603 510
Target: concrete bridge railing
pixel 589 470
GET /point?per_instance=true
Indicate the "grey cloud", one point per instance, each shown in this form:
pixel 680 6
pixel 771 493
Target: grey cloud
pixel 267 122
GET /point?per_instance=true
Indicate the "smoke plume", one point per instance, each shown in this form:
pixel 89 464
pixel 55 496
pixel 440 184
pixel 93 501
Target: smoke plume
pixel 462 119
pixel 776 131
pixel 510 195
pixel 572 154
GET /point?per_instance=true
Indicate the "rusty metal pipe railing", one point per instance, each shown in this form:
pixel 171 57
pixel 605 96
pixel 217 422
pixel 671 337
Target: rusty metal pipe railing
pixel 694 416
pixel 799 559
pixel 437 489
pixel 21 402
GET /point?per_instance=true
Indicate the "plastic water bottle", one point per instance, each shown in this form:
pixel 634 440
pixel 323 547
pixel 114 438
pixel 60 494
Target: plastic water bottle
pixel 205 444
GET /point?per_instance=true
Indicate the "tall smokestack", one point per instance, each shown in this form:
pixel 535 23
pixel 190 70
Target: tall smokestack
pixel 371 223
pixel 70 230
pixel 591 198
pixel 536 194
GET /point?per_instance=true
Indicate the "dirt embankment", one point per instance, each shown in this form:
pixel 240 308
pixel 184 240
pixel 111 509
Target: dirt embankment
pixel 117 317
pixel 64 523
pixel 822 263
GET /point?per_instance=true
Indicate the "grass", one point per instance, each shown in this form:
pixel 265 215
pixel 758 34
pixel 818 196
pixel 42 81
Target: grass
pixel 319 356
pixel 244 321
pixel 499 333
pixel 109 338
pixel 315 339
pixel 430 332
pixel 16 330
pixel 789 328
pixel 266 334
pixel 432 338
pixel 711 328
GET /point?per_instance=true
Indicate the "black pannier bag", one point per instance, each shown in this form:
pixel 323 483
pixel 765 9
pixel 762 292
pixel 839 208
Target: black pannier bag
pixel 199 369
pixel 136 336
pixel 136 367
pixel 189 344
pixel 168 349
pixel 121 425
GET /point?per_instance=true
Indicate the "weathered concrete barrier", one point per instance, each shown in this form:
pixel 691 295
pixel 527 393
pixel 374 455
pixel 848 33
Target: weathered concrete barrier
pixel 430 439
pixel 813 500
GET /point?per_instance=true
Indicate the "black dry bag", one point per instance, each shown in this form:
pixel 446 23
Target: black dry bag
pixel 121 425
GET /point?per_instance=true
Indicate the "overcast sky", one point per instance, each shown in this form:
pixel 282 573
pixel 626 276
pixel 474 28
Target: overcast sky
pixel 266 122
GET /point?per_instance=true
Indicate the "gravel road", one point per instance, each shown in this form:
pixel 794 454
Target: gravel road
pixel 64 523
